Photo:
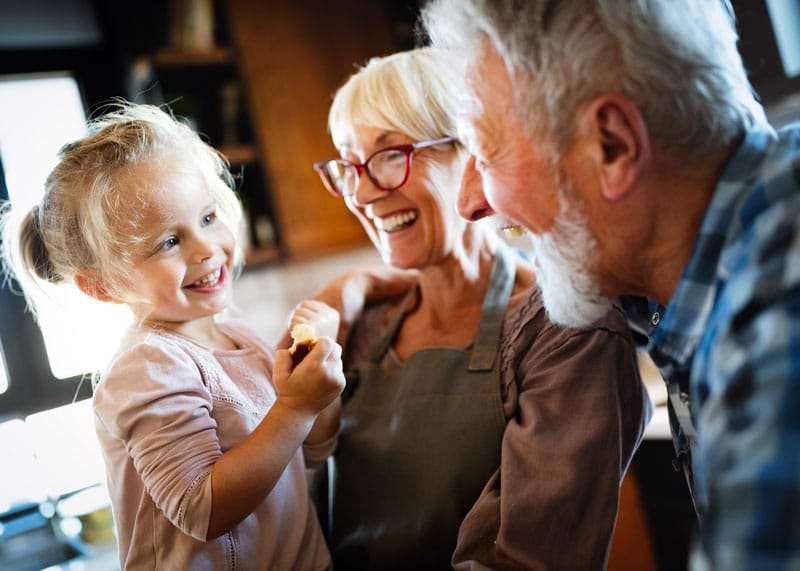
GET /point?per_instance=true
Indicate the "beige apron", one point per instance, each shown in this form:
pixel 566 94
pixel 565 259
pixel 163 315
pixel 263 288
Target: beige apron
pixel 417 445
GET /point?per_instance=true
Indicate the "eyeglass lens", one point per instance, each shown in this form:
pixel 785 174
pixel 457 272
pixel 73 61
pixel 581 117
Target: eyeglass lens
pixel 387 169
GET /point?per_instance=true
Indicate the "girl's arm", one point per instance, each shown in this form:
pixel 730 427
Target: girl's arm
pixel 243 476
pixel 325 320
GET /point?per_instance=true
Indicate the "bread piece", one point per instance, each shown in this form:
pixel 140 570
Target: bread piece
pixel 303 337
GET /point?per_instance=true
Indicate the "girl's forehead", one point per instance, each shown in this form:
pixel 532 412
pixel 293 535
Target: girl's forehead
pixel 162 191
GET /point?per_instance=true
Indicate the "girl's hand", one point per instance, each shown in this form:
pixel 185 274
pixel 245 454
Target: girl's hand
pixel 315 382
pixel 318 314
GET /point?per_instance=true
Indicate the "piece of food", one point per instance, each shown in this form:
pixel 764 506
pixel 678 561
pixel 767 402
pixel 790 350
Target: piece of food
pixel 303 339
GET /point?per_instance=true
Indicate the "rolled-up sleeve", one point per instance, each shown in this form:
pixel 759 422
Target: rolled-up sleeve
pixel 576 412
pixel 153 401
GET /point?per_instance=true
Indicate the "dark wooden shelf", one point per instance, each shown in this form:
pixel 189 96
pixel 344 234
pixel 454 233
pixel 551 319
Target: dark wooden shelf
pixel 238 155
pixel 261 255
pixel 175 58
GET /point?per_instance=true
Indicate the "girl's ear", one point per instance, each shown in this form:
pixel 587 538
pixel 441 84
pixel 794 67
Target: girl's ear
pixel 94 287
pixel 621 146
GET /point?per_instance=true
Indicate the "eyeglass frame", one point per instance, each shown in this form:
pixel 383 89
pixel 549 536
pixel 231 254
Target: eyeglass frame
pixel 408 149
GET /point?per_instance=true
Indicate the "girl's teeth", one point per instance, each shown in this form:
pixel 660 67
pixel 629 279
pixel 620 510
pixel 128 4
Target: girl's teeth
pixel 209 279
pixel 391 223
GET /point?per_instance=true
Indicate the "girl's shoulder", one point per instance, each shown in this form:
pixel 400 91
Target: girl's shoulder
pixel 143 349
pixel 245 334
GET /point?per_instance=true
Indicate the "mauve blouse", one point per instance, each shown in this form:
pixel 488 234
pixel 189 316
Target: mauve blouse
pixel 165 410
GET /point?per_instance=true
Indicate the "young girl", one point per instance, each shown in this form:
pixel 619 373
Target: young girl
pixel 200 423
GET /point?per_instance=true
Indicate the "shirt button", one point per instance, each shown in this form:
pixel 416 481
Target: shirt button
pixel 655 319
pixel 684 398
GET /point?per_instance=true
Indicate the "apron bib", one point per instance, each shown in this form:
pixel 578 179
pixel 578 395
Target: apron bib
pixel 418 443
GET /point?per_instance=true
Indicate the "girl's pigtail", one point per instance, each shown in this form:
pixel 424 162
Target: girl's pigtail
pixel 33 249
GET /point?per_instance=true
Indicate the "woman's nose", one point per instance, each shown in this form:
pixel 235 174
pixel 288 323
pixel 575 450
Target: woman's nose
pixel 471 203
pixel 366 192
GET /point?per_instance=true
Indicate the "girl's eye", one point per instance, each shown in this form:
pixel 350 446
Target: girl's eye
pixel 209 218
pixel 168 244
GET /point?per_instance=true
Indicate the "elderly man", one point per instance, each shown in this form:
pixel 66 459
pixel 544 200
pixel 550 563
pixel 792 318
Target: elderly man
pixel 625 136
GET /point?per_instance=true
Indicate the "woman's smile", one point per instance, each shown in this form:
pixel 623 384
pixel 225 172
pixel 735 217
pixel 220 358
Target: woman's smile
pixel 396 220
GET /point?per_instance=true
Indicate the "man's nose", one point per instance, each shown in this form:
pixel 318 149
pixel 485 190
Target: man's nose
pixel 471 203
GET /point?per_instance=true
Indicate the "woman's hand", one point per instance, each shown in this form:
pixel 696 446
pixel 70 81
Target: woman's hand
pixel 321 316
pixel 350 292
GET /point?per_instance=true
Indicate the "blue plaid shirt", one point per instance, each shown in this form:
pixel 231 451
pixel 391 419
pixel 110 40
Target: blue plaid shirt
pixel 728 345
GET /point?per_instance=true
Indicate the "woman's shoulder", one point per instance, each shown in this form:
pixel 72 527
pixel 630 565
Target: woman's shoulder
pixel 367 329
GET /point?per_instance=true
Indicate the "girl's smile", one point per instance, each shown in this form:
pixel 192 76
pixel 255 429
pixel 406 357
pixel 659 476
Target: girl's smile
pixel 210 283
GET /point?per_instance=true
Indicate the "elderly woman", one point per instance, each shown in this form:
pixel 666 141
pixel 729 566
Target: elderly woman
pixel 475 432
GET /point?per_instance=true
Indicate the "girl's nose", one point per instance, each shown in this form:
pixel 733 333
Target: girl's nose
pixel 202 249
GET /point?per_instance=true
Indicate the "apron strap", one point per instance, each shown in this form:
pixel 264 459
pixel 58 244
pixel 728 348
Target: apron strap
pixel 501 281
pixel 394 326
pixel 484 349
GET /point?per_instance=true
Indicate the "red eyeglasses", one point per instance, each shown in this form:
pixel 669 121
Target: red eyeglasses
pixel 388 168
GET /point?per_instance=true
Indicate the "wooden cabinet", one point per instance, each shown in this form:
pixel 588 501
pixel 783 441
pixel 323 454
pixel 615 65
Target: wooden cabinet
pixel 292 57
pixel 260 91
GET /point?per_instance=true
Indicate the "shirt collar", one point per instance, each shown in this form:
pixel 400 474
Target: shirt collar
pixel 684 320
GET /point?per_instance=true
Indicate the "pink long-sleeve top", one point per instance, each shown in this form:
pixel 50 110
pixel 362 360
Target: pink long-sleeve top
pixel 166 409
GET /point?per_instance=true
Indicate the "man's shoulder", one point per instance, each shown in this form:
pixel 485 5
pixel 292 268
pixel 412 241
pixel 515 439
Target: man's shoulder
pixel 529 324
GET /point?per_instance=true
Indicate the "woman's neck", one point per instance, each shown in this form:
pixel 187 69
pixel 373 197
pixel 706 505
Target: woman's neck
pixel 451 298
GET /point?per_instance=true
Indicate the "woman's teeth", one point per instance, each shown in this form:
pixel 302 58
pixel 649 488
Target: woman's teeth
pixel 210 279
pixel 392 223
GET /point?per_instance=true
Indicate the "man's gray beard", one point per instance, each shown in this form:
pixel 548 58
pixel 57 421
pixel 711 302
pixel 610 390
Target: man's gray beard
pixel 562 272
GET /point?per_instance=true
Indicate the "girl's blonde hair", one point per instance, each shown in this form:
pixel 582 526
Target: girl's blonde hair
pixel 84 224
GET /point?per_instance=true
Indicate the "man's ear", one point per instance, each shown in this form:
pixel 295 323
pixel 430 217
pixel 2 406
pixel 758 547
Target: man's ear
pixel 94 287
pixel 621 146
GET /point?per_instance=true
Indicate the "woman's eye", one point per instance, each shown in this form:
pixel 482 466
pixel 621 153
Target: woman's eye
pixel 393 156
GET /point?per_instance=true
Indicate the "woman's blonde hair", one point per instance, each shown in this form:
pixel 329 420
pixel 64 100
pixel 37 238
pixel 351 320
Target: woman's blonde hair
pixel 413 92
pixel 83 225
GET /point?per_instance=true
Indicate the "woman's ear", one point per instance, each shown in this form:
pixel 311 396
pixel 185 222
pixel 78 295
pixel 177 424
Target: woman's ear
pixel 620 143
pixel 94 288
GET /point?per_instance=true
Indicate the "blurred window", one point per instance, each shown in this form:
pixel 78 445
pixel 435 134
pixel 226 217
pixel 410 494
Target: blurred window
pixel 78 331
